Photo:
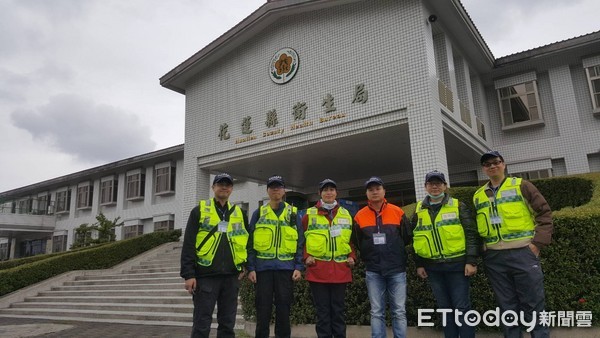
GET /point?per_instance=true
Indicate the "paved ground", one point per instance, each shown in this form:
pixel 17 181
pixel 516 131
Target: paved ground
pixel 16 327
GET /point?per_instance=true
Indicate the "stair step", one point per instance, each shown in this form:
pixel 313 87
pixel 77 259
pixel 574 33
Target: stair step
pixel 149 270
pixel 152 280
pixel 172 308
pixel 129 276
pixel 113 299
pixel 109 293
pixel 146 286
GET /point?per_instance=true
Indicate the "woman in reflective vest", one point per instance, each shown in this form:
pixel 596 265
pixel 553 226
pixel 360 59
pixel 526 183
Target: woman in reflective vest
pixel 329 257
pixel 234 231
pixel 446 245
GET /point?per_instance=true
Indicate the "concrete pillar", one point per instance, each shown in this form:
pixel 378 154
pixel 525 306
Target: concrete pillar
pixel 12 247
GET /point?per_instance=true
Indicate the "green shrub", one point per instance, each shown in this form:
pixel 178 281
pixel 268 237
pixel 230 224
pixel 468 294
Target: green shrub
pixel 98 257
pixel 26 260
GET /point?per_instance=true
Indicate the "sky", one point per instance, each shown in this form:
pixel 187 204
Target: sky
pixel 79 79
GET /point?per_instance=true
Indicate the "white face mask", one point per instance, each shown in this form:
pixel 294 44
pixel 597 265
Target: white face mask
pixel 435 197
pixel 328 206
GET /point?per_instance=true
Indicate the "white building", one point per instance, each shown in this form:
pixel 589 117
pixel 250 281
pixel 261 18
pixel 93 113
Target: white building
pixel 343 89
pixel 381 87
pixel 144 191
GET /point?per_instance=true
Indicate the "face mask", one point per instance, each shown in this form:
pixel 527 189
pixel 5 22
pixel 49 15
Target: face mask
pixel 328 206
pixel 435 197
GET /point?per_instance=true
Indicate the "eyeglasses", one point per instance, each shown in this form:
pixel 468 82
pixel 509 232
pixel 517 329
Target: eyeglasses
pixel 434 184
pixel 493 163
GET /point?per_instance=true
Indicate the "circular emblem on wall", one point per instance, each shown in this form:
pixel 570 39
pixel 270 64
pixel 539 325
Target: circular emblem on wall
pixel 284 65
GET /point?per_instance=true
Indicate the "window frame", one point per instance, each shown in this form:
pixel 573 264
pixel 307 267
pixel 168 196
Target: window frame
pixel 164 181
pixel 85 194
pixel 112 194
pixel 64 201
pixel 590 79
pixel 527 94
pixel 139 190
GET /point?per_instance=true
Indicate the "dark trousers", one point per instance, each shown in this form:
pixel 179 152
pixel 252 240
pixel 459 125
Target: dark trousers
pixel 518 283
pixel 329 300
pixel 451 291
pixel 220 290
pixel 274 286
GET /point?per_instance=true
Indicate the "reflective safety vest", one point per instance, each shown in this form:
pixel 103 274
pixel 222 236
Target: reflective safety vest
pixel 276 237
pixel 319 240
pixel 236 234
pixel 442 238
pixel 505 216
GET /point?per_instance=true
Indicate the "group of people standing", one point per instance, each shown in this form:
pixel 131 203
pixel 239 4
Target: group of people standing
pixel 512 222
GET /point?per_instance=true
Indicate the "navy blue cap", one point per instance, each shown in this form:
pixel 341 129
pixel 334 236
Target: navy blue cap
pixel 373 180
pixel 223 177
pixel 275 180
pixel 327 182
pixel 490 154
pixel 435 174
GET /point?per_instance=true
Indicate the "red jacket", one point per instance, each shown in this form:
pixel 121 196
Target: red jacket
pixel 327 271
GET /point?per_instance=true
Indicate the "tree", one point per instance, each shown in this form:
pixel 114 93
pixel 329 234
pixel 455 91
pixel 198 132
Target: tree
pixel 104 227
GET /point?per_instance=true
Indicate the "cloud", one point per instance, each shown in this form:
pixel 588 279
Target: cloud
pixel 80 127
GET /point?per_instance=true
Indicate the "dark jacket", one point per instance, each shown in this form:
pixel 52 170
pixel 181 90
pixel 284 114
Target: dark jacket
pixel 472 240
pixel 223 261
pixel 388 258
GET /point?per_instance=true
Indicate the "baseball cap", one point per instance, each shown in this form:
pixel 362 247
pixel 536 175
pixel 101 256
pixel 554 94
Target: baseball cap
pixel 435 174
pixel 373 180
pixel 275 180
pixel 327 182
pixel 223 177
pixel 490 154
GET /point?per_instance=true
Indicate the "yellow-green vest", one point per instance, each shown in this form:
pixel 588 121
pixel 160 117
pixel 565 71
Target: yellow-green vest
pixel 236 234
pixel 319 242
pixel 276 237
pixel 442 238
pixel 516 219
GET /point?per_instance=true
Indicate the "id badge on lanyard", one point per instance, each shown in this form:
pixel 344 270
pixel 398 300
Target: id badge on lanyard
pixel 379 238
pixel 222 226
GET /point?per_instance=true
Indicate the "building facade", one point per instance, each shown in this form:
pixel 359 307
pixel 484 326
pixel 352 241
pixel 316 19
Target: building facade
pixel 143 191
pixel 347 89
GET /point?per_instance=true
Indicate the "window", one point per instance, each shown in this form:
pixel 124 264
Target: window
pixel 164 226
pixel 59 243
pixel 132 231
pixel 534 174
pixel 63 201
pixel 84 196
pixel 164 179
pixel 593 75
pixel 135 185
pixel 43 205
pixel 519 104
pixel 25 206
pixel 108 191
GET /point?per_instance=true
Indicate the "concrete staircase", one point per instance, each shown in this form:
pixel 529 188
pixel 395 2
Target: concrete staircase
pixel 148 292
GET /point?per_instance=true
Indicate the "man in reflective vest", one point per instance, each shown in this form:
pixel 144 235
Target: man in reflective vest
pixel 515 222
pixel 274 259
pixel 445 241
pixel 212 258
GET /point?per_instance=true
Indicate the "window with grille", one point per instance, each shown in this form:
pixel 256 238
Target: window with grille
pixel 59 243
pixel 164 226
pixel 132 231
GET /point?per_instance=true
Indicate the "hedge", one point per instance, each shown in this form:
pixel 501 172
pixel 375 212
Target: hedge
pixel 100 257
pixel 571 264
pixel 26 260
